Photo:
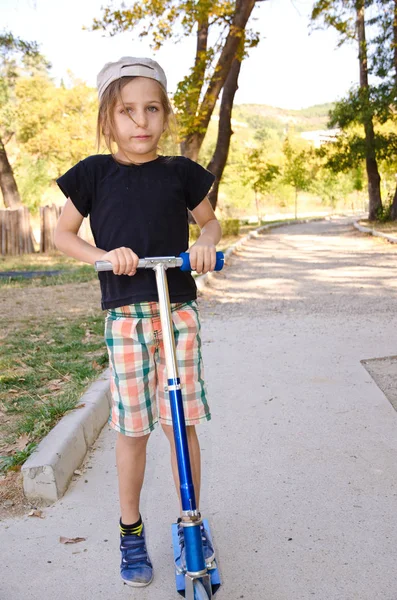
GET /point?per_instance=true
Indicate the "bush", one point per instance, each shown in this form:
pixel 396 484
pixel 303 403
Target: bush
pixel 229 227
pixel 383 214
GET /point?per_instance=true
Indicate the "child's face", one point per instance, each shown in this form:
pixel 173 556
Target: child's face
pixel 140 130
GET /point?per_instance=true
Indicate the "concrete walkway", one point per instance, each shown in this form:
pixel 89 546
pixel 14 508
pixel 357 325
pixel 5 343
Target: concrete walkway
pixel 299 462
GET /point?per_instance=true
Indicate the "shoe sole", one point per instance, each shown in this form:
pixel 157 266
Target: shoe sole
pixel 136 583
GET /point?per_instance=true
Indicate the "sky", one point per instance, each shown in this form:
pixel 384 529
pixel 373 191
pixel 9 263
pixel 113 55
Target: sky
pixel 292 67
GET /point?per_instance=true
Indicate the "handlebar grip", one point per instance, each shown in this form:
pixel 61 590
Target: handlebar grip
pixel 220 260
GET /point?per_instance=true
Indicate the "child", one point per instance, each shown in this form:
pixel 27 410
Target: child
pixel 137 201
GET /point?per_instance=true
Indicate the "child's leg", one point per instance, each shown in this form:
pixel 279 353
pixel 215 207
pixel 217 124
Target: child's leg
pixel 131 462
pixel 195 459
pixel 136 569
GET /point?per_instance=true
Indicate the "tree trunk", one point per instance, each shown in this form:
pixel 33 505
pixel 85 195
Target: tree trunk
pixel 393 209
pixel 8 184
pixel 192 144
pixel 192 102
pixel 375 201
pixel 225 132
pixel 258 208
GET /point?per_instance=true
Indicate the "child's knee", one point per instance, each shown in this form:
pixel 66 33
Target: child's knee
pixel 130 441
pixel 169 432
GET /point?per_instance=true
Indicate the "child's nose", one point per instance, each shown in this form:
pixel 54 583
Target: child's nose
pixel 140 119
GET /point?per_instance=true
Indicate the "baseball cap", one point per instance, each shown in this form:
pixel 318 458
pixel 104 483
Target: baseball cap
pixel 129 66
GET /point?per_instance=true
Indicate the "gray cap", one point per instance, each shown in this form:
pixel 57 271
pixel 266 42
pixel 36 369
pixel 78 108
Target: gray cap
pixel 128 66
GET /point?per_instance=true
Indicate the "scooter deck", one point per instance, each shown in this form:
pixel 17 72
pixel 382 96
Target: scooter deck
pixel 180 578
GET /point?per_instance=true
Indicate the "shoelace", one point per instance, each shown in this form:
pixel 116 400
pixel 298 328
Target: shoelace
pixel 133 550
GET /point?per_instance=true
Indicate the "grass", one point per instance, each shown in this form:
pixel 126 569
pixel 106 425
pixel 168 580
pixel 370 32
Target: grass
pixel 388 227
pixel 44 368
pixel 72 271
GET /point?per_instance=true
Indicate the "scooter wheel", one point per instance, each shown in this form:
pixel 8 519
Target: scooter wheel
pixel 199 591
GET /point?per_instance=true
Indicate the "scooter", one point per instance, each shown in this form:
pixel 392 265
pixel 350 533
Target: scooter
pixel 198 581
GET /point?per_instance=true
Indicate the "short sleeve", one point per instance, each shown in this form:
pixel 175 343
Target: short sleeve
pixel 75 184
pixel 198 183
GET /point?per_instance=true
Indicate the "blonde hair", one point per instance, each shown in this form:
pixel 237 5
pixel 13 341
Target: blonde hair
pixel 106 128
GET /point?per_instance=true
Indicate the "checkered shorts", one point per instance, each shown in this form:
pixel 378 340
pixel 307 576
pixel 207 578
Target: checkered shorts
pixel 138 375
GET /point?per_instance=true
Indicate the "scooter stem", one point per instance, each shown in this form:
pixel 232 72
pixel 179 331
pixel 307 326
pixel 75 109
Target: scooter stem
pixel 188 499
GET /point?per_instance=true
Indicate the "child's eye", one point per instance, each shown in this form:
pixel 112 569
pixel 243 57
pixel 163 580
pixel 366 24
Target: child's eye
pixel 152 108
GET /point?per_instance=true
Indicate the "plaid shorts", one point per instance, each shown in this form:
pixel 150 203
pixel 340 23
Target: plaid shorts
pixel 138 375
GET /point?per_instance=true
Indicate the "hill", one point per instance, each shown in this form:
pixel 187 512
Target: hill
pixel 269 117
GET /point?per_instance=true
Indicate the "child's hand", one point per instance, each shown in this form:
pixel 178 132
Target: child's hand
pixel 124 261
pixel 202 257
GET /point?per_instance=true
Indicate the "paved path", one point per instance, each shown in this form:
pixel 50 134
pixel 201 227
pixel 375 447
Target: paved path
pixel 300 478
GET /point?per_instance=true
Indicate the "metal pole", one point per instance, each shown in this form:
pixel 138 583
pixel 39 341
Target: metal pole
pixel 174 389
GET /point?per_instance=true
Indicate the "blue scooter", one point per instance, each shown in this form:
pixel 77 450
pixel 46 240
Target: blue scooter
pixel 199 581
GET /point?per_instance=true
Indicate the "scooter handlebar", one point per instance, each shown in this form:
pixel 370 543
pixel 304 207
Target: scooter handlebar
pixel 182 261
pixel 220 260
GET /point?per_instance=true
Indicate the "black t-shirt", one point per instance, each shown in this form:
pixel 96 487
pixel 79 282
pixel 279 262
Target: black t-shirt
pixel 142 207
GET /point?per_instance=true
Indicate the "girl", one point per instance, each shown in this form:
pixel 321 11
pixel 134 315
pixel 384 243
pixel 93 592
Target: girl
pixel 137 201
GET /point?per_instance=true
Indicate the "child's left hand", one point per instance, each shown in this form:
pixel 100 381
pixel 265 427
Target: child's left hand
pixel 202 256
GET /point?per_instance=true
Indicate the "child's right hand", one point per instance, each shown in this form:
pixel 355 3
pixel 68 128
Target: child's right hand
pixel 124 261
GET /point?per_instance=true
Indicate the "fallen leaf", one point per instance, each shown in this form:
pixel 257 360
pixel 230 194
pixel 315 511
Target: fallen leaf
pixel 22 442
pixel 65 540
pixel 36 513
pixel 55 384
pixel 96 366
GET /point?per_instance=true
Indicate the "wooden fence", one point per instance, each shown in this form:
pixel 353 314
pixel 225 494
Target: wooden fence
pixel 49 216
pixel 16 235
pixel 15 232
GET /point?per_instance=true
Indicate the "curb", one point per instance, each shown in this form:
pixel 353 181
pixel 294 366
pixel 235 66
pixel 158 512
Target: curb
pixel 389 238
pixel 50 468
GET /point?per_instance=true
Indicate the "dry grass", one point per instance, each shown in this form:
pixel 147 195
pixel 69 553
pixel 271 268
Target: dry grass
pixel 389 227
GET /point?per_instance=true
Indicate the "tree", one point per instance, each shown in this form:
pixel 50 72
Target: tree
pixel 296 171
pixel 385 67
pixel 348 18
pixel 218 161
pixel 55 124
pixel 197 93
pixel 259 175
pixel 16 57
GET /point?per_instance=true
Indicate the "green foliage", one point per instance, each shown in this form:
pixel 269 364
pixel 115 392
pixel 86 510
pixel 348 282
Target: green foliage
pixel 17 58
pixel 55 124
pixel 194 232
pixel 338 14
pixel 383 214
pixel 229 227
pixel 298 170
pixel 333 188
pixel 33 179
pixel 259 174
